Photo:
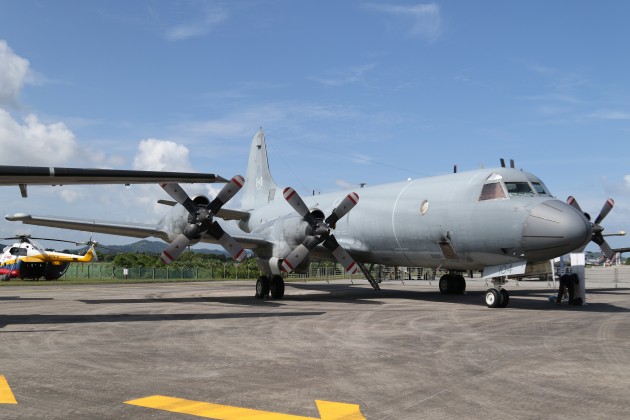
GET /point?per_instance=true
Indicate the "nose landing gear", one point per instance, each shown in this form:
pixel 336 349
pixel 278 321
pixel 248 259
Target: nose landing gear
pixel 497 296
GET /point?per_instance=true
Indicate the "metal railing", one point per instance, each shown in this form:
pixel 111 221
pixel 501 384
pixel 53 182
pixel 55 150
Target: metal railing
pixel 615 275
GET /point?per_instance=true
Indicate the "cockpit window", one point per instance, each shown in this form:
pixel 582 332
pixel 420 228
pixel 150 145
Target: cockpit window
pixel 492 191
pixel 517 189
pixel 18 251
pixel 540 189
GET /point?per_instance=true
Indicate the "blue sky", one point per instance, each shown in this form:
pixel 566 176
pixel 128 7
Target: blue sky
pixel 346 91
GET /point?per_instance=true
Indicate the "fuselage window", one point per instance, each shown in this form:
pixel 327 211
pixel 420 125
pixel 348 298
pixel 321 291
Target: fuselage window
pixel 492 191
pixel 516 189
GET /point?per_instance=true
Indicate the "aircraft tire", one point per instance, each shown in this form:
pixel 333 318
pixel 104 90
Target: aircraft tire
pixel 262 287
pixel 505 298
pixel 460 284
pixel 277 287
pixel 493 298
pixel 445 284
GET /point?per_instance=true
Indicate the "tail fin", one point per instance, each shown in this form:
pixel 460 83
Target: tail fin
pixel 90 255
pixel 259 188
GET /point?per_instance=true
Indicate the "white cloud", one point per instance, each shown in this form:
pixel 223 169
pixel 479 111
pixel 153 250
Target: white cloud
pixel 72 195
pixel 159 155
pixel 426 18
pixel 34 143
pixel 162 155
pixel 13 73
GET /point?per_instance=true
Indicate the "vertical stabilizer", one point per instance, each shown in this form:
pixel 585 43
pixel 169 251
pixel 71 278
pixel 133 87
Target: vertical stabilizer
pixel 259 188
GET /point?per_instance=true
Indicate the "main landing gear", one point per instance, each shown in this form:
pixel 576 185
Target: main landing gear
pixel 452 284
pixel 497 296
pixel 266 286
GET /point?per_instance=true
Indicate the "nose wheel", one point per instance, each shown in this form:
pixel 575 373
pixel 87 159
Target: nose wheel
pixel 497 296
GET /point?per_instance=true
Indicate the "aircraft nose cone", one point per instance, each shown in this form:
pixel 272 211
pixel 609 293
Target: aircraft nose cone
pixel 554 228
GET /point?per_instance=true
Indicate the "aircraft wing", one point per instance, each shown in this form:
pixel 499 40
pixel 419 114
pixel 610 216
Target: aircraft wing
pixel 40 175
pixel 135 230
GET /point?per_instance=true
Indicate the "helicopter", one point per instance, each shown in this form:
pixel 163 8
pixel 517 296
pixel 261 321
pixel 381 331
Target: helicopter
pixel 26 259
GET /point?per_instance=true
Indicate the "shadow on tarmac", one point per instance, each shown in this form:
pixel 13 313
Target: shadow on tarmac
pixel 521 298
pixel 21 298
pixel 82 319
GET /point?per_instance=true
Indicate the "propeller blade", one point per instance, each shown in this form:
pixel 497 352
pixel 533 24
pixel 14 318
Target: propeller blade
pixel 179 195
pixel 606 250
pixel 598 238
pixel 341 255
pixel 227 242
pixel 226 193
pixel 295 258
pixel 294 199
pixel 321 232
pixel 175 249
pixel 343 208
pixel 573 203
pixel 608 205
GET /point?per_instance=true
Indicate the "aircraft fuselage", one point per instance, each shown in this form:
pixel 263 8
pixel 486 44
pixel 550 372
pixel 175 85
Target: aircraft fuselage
pixel 442 221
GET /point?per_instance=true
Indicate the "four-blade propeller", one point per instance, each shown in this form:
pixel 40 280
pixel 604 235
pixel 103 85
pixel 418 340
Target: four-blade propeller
pixel 319 232
pixel 200 221
pixel 598 236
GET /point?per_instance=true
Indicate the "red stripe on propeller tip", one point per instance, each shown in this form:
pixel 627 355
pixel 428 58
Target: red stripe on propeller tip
pixel 288 193
pixel 354 197
pixel 168 258
pixel 238 180
pixel 285 262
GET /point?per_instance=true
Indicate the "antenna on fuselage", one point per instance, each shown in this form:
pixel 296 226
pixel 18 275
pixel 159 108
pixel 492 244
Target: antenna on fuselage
pixel 502 163
pixel 512 163
pixel 455 168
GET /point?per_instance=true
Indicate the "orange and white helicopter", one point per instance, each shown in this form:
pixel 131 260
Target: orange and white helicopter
pixel 25 259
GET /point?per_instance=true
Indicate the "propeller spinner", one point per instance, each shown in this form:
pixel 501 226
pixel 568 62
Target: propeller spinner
pixel 598 236
pixel 319 232
pixel 200 221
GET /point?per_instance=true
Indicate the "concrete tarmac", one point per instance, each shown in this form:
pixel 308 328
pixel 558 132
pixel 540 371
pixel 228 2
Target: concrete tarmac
pixel 406 352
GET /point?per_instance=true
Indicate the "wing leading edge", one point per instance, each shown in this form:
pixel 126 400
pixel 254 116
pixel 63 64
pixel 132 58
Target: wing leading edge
pixel 40 175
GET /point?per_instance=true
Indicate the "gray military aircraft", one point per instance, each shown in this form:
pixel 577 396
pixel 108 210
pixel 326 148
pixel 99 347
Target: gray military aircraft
pixel 499 220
